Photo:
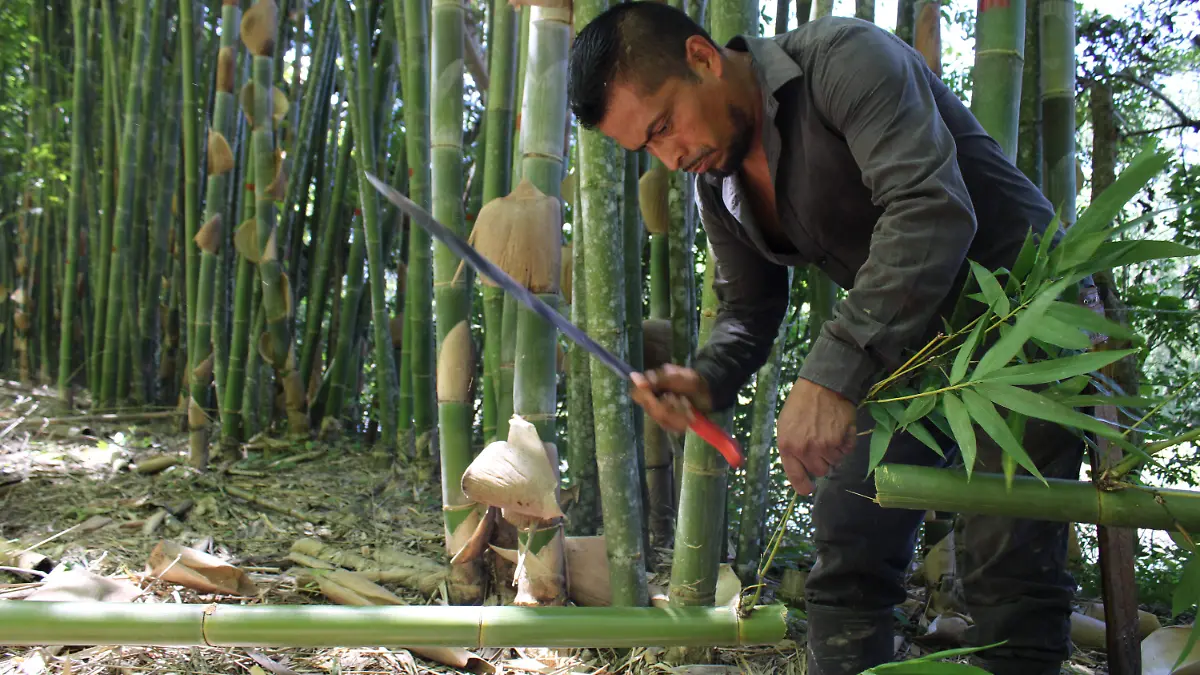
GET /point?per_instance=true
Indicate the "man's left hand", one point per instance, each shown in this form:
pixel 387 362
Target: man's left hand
pixel 815 429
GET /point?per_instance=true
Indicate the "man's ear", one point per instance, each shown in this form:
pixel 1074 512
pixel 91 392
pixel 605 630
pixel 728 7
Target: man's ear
pixel 703 57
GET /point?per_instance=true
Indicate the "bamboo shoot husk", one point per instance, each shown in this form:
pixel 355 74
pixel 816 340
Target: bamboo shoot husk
pixel 514 475
pixel 522 234
pixel 1061 500
pixel 472 627
pixel 1162 648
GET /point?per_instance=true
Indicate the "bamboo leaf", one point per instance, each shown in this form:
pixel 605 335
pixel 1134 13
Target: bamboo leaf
pixel 963 358
pixel 1089 231
pixel 920 407
pixel 1057 332
pixel 881 436
pixel 926 668
pixel 985 415
pixel 1023 263
pixel 1040 372
pixel 1010 343
pixel 1041 260
pixel 1033 404
pixel 1121 253
pixel 960 424
pixel 919 432
pixel 1082 400
pixel 1078 315
pixel 996 298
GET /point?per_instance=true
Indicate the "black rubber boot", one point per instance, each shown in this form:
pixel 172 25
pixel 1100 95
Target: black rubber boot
pixel 847 642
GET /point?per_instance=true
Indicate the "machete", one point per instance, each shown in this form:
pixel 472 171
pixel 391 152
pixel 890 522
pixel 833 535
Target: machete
pixel 713 434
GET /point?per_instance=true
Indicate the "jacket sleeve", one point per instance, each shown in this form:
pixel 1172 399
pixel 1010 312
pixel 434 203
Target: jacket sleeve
pixel 874 91
pixel 752 294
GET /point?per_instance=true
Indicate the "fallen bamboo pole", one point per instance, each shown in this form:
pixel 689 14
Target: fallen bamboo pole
pixel 473 627
pixel 904 486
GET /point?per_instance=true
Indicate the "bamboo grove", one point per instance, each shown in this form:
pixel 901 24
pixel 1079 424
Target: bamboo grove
pixel 211 246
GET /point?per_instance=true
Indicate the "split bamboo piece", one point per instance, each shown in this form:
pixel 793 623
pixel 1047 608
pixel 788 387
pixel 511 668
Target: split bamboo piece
pixel 473 627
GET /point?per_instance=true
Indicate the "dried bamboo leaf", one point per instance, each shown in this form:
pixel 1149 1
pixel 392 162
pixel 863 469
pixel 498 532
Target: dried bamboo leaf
pixel 455 657
pixel 198 570
pixel 79 585
pixel 376 594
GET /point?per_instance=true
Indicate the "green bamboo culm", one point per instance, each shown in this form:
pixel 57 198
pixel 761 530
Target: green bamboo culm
pixel 699 539
pixel 913 487
pixel 1057 39
pixel 109 159
pixel 75 201
pixel 122 224
pixel 699 535
pixel 219 164
pixel 601 183
pixel 1029 127
pixel 455 353
pixel 502 48
pixel 258 32
pixel 543 160
pixel 190 201
pixel 583 514
pixel 474 627
pixel 365 150
pixel 140 371
pixel 418 313
pixel 999 55
pixel 331 230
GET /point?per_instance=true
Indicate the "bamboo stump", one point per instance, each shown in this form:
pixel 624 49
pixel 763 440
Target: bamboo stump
pixel 1116 573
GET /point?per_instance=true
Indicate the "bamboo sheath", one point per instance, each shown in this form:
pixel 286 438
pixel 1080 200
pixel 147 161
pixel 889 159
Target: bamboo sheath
pixel 914 487
pixel 472 627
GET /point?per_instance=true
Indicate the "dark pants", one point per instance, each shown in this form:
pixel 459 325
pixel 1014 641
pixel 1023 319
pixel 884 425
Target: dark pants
pixel 1013 571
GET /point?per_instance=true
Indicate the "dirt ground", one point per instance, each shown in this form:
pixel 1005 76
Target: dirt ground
pixel 82 493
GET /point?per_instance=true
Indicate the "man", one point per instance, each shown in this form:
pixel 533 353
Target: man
pixel 834 144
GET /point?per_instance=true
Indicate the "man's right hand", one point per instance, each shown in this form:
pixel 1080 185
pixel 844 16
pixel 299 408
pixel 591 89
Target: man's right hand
pixel 664 393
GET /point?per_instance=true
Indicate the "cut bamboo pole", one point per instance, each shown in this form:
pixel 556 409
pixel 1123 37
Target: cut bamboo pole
pixel 473 627
pixel 913 487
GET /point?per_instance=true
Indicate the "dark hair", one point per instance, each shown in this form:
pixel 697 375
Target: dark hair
pixel 639 42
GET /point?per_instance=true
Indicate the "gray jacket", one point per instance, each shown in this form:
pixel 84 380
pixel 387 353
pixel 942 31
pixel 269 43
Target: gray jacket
pixel 884 180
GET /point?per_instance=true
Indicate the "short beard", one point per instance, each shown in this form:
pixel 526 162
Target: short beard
pixel 739 147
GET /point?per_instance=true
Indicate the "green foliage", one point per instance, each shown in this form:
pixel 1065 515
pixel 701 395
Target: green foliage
pixel 1025 335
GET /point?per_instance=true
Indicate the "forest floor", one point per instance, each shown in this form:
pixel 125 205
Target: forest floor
pixel 81 494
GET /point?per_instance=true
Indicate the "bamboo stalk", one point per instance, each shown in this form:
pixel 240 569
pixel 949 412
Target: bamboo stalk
pixel 912 487
pixel 473 627
pixel 999 51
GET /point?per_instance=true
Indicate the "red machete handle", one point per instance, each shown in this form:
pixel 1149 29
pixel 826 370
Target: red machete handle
pixel 716 437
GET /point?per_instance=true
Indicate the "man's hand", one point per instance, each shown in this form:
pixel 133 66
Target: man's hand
pixel 815 429
pixel 664 393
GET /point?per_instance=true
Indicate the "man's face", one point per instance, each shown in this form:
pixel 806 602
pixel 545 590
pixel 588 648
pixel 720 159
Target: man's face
pixel 693 125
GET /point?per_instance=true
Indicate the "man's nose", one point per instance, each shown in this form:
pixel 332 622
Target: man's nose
pixel 671 157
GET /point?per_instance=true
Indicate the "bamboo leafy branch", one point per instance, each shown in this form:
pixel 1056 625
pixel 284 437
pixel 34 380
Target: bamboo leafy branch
pixel 1024 347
